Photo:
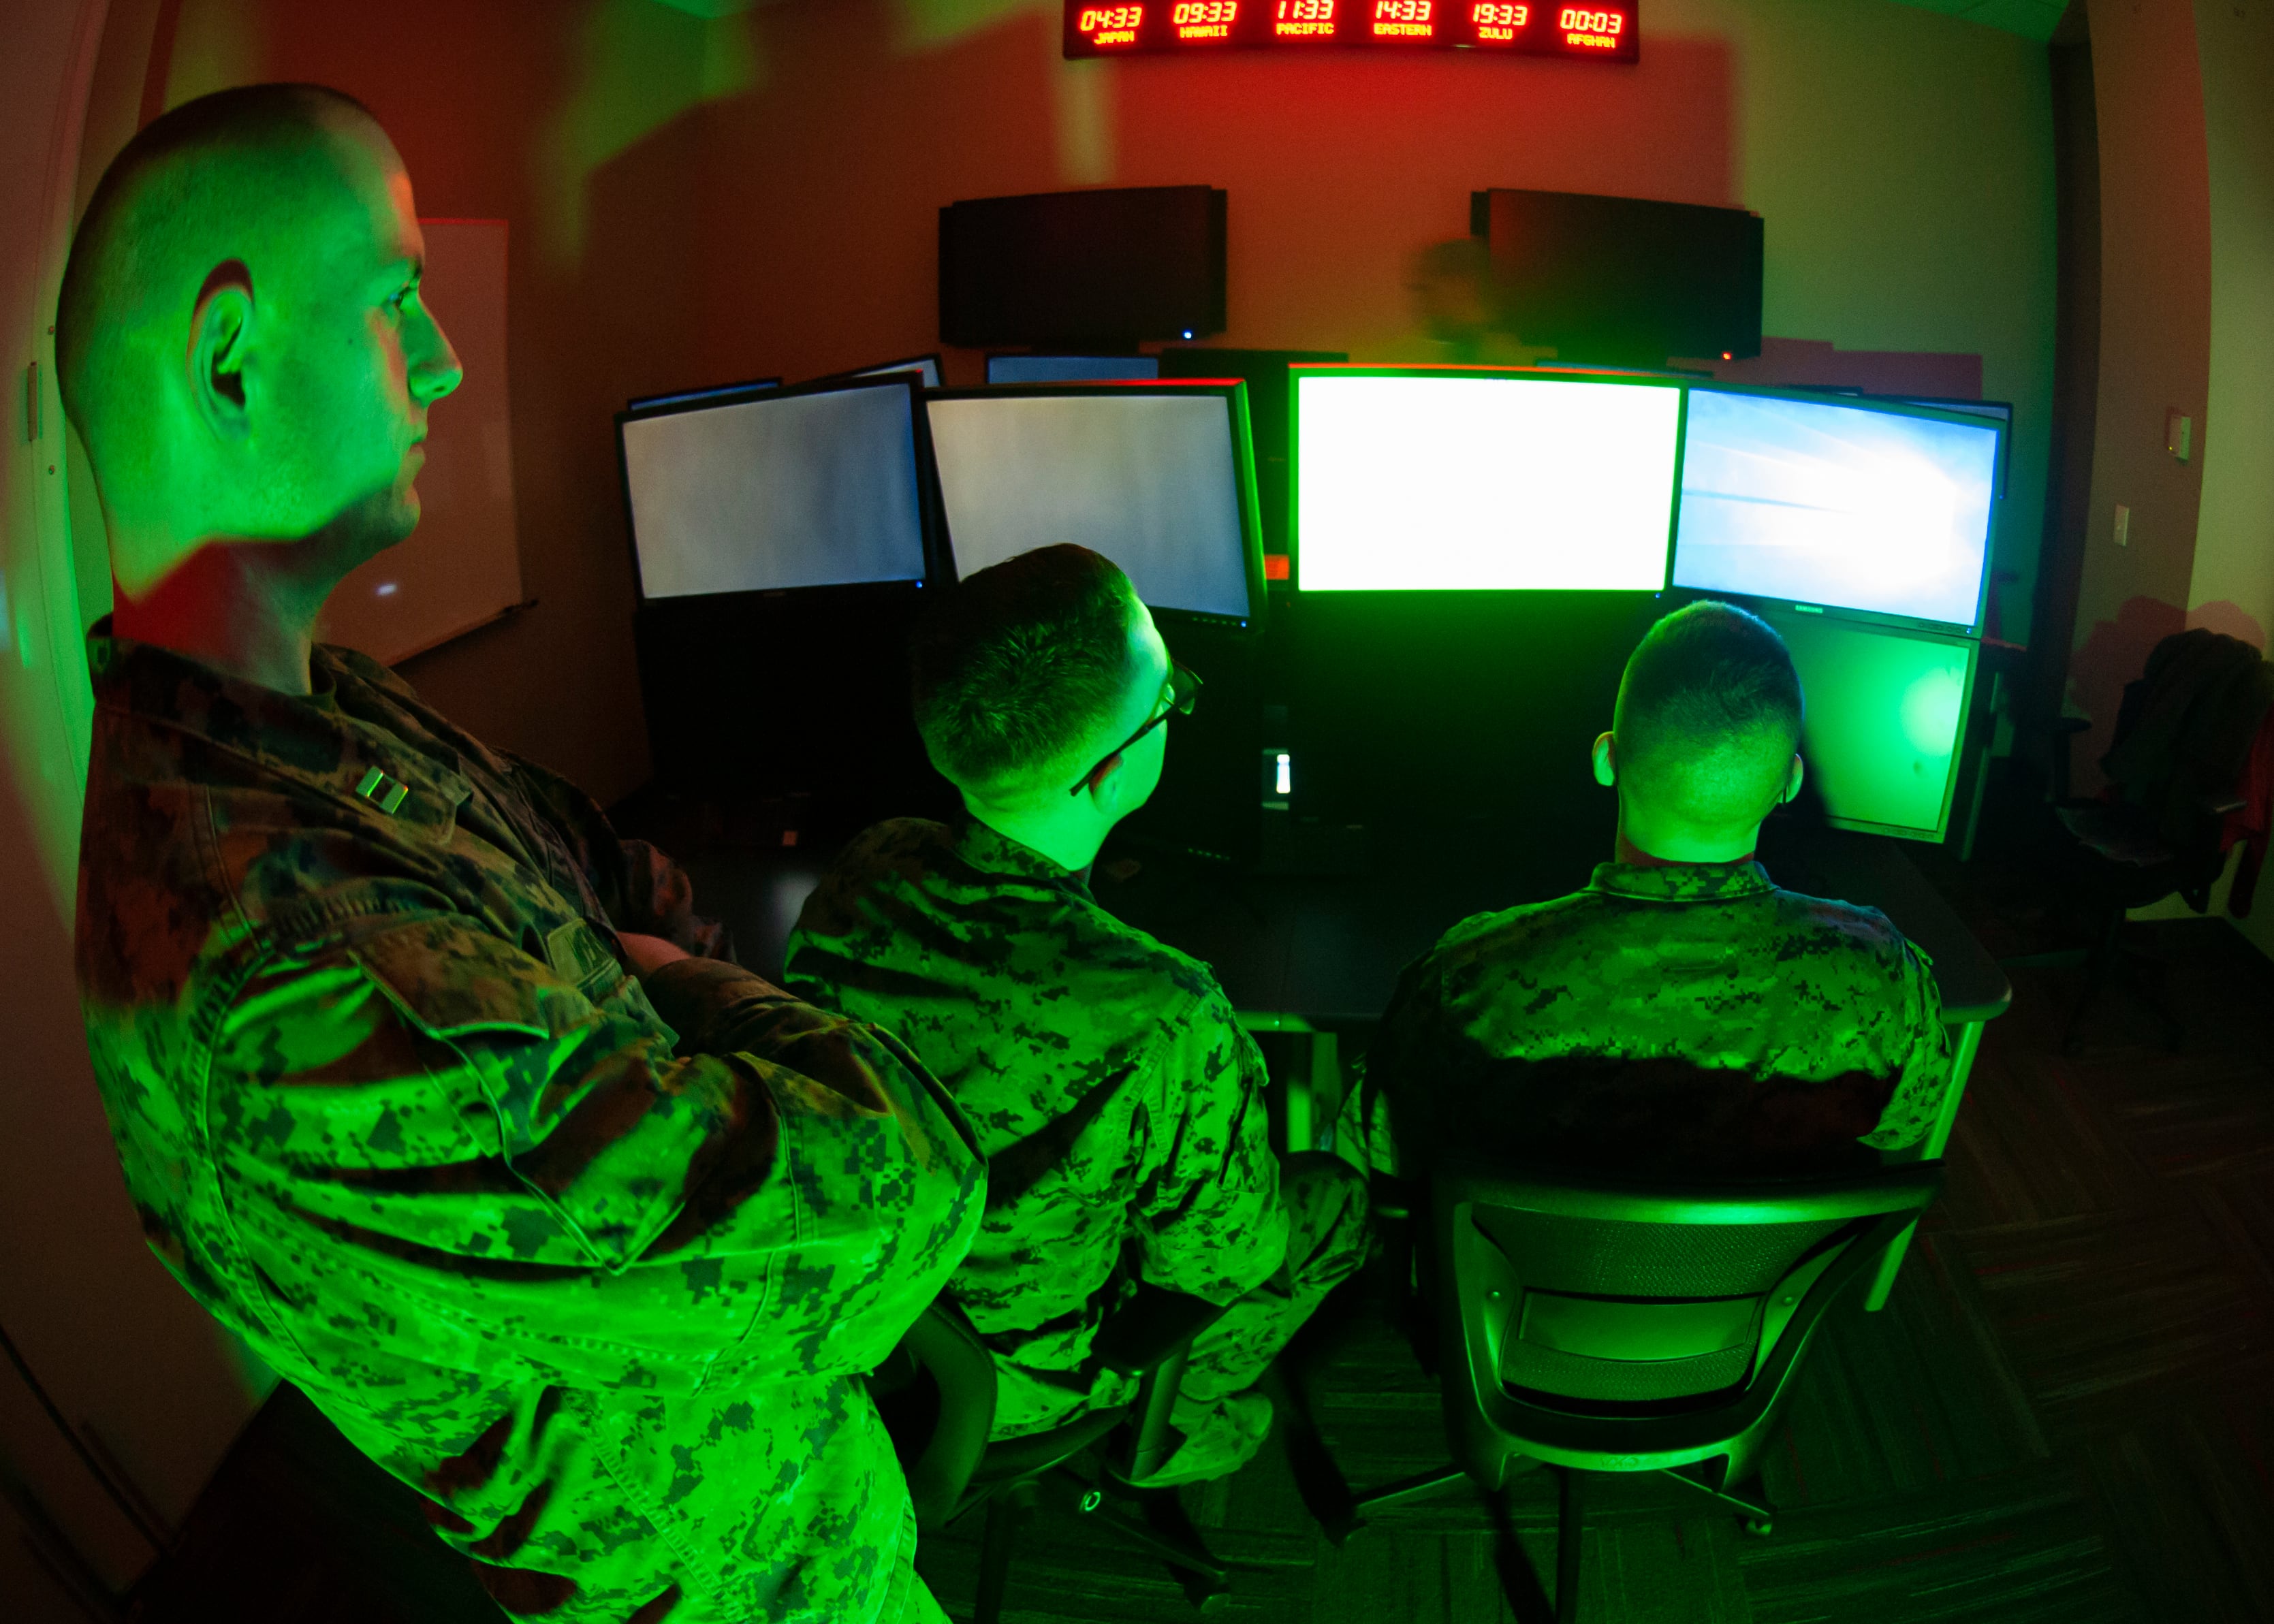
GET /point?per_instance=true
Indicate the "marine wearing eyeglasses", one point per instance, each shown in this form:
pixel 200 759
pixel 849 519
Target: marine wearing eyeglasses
pixel 379 1014
pixel 1118 1101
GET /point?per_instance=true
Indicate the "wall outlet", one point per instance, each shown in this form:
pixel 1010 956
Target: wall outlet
pixel 2123 525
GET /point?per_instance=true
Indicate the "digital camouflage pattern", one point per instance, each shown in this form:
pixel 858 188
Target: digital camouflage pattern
pixel 1120 1105
pixel 594 1267
pixel 1676 1018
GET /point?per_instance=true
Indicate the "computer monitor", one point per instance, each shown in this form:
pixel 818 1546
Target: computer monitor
pixel 1070 368
pixel 928 365
pixel 1886 717
pixel 1158 478
pixel 815 485
pixel 717 391
pixel 1410 478
pixel 2000 411
pixel 1842 504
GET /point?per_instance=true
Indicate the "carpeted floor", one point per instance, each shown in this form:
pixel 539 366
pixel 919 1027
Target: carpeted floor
pixel 2065 1414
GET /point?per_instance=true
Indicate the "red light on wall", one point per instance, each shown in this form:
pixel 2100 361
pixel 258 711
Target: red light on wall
pixel 1497 22
pixel 1201 22
pixel 1591 30
pixel 1403 19
pixel 1109 26
pixel 1304 20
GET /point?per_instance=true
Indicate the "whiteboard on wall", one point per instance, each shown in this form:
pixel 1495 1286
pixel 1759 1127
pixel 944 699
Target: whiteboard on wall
pixel 461 568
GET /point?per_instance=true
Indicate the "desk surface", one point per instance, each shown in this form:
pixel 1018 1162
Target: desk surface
pixel 1329 949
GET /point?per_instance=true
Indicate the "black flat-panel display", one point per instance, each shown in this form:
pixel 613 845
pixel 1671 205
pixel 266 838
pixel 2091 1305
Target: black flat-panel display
pixel 1158 478
pixel 816 485
pixel 1886 720
pixel 1841 503
pixel 1023 368
pixel 1064 270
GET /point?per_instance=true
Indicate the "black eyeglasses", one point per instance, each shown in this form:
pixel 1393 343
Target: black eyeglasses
pixel 1184 688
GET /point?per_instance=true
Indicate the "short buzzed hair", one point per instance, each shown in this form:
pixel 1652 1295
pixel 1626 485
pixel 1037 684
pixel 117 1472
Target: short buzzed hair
pixel 1015 670
pixel 1708 682
pixel 103 267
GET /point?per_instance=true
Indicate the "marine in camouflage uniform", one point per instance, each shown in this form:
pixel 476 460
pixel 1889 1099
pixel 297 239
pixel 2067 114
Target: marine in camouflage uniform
pixel 595 1266
pixel 1120 1106
pixel 1672 1018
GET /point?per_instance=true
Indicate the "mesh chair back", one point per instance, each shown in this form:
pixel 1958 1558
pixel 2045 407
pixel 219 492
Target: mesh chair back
pixel 1642 1318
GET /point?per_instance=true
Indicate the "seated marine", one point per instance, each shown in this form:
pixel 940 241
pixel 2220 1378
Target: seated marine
pixel 1118 1101
pixel 1681 1015
pixel 421 1080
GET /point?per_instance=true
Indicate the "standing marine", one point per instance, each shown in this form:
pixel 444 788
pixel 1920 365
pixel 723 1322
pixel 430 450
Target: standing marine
pixel 424 1083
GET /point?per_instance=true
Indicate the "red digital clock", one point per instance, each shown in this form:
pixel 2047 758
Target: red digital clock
pixel 1605 32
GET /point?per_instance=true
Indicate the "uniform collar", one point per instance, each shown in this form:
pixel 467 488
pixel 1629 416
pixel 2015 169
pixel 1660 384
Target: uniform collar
pixel 310 739
pixel 1724 882
pixel 992 853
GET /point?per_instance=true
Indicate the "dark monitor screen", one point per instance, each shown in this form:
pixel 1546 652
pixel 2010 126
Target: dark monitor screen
pixel 1157 478
pixel 1886 717
pixel 1450 479
pixel 928 365
pixel 1109 266
pixel 1070 368
pixel 651 403
pixel 816 485
pixel 1836 503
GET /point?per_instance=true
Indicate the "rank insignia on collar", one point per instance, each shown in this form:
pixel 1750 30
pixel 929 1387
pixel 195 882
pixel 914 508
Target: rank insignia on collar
pixel 383 792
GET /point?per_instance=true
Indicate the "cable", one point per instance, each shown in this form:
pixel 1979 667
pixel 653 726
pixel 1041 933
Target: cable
pixel 118 1497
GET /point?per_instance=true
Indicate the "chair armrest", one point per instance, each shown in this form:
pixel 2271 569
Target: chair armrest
pixel 1150 1327
pixel 945 1344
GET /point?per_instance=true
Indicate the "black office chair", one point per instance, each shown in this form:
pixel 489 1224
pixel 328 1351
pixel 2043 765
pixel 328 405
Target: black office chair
pixel 2175 759
pixel 937 1396
pixel 1599 1327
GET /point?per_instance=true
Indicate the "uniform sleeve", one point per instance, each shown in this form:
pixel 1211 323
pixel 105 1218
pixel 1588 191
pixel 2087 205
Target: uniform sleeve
pixel 428 1139
pixel 1924 1083
pixel 642 889
pixel 1209 1221
pixel 1397 1060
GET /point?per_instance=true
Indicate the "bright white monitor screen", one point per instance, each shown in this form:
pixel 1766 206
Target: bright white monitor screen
pixel 1149 480
pixel 791 490
pixel 1483 484
pixel 929 366
pixel 1815 502
pixel 1071 369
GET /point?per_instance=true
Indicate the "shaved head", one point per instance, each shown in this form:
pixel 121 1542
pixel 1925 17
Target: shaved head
pixel 1709 716
pixel 239 341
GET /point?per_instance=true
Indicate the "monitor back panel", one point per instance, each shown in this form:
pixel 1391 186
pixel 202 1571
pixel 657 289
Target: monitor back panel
pixel 795 489
pixel 1151 481
pixel 1070 368
pixel 1887 715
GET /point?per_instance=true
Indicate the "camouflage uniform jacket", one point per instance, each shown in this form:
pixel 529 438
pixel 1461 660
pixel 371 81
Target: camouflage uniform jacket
pixel 1118 1101
pixel 1678 1017
pixel 390 1107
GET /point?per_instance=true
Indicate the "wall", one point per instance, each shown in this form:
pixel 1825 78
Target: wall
pixel 703 200
pixel 135 1368
pixel 2231 585
pixel 2155 349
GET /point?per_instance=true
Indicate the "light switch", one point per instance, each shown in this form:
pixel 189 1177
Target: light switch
pixel 2179 433
pixel 2123 525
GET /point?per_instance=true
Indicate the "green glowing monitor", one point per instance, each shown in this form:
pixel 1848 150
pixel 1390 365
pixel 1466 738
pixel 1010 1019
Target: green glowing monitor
pixel 1471 479
pixel 1887 719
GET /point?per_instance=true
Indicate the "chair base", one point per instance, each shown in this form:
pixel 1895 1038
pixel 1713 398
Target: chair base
pixel 1150 1519
pixel 1520 1585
